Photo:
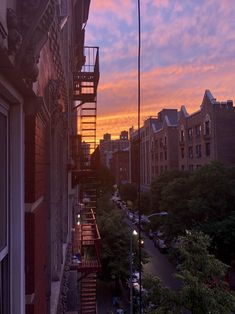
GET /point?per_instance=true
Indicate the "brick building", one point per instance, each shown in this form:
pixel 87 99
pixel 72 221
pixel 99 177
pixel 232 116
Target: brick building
pixel 177 140
pixel 41 45
pixel 109 146
pixel 120 166
pixel 158 147
pixel 207 135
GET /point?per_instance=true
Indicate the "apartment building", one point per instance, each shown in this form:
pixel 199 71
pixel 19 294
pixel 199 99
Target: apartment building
pixel 120 166
pixel 41 45
pixel 164 146
pixel 207 135
pixel 108 147
pixel 158 147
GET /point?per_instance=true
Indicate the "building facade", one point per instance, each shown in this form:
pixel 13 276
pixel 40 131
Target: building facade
pixel 120 166
pixel 158 147
pixel 207 135
pixel 180 141
pixel 41 44
pixel 109 146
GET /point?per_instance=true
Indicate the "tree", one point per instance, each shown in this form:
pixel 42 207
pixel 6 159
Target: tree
pixel 160 183
pixel 128 192
pixel 115 241
pixel 203 287
pixel 145 203
pixel 105 179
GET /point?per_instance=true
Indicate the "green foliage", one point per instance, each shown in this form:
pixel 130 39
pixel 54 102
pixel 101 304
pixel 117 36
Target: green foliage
pixel 161 299
pixel 115 244
pixel 105 179
pixel 200 200
pixel 128 192
pixel 115 240
pixel 203 287
pixel 160 183
pixel 145 203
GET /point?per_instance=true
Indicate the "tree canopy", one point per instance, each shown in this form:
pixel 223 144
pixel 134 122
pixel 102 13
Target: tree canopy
pixel 203 287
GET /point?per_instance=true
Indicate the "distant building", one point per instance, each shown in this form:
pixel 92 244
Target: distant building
pixel 107 136
pixel 177 140
pixel 108 147
pixel 124 135
pixel 120 166
pixel 207 134
pixel 158 147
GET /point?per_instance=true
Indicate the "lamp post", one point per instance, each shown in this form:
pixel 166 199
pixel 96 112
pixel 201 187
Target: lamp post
pixel 133 233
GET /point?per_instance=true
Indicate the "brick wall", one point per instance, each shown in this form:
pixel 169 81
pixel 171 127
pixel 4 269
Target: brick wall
pixel 36 259
pixel 36 222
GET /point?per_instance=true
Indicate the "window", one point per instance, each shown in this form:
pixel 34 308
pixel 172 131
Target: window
pixel 207 127
pixel 190 152
pixel 156 144
pixel 3 180
pixel 198 166
pixel 165 168
pixel 182 152
pixel 182 135
pixel 198 151
pixel 208 149
pixel 4 263
pixel 190 167
pixel 182 167
pixel 190 133
pixel 161 169
pixel 161 156
pixel 198 130
pixel 165 154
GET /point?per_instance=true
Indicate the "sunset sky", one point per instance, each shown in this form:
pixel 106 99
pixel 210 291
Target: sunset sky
pixel 187 46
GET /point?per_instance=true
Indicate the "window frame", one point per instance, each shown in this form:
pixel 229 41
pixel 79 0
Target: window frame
pixel 4 109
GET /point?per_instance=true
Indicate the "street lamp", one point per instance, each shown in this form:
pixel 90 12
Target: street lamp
pixel 133 233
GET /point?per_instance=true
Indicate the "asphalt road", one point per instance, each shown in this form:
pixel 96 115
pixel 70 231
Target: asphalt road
pixel 160 266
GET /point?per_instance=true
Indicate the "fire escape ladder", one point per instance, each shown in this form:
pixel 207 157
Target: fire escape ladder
pixel 86 238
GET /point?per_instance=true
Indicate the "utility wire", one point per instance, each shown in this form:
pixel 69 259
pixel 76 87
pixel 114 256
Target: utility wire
pixel 139 165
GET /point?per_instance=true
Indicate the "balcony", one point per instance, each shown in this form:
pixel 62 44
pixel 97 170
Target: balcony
pixel 86 80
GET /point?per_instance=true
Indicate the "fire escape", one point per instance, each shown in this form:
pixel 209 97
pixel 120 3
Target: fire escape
pixel 86 238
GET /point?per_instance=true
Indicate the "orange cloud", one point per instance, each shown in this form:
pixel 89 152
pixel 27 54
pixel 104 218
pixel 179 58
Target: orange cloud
pixel 166 87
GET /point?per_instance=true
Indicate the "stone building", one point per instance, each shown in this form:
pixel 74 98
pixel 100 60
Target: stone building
pixel 41 45
pixel 207 135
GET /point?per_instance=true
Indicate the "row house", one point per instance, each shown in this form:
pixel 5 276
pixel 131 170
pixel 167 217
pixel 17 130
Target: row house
pixel 207 135
pixel 180 141
pixel 41 45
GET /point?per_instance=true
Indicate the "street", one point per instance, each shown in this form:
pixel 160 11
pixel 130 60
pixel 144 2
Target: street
pixel 160 266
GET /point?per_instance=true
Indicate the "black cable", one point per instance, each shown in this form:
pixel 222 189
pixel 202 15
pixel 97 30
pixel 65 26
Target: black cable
pixel 138 101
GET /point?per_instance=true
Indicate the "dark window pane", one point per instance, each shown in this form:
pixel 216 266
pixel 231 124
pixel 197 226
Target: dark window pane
pixel 3 181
